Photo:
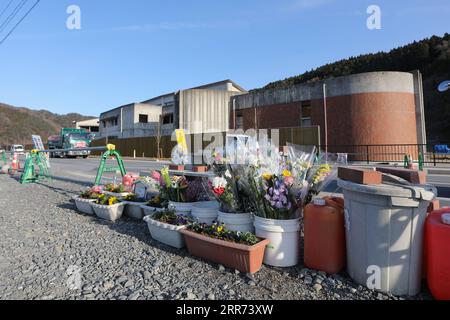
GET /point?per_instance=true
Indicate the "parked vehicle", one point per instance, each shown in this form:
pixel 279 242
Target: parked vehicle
pixel 70 139
pixel 17 148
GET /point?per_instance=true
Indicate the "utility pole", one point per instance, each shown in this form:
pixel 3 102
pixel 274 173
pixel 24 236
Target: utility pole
pixel 325 116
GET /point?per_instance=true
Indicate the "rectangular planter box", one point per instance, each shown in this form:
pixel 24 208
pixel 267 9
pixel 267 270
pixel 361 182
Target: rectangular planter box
pixel 84 205
pixel 133 210
pixel 244 258
pixel 111 213
pixel 166 233
pixel 149 211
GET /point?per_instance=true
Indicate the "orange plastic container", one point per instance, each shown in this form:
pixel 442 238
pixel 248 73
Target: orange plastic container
pixel 324 245
pixel 437 242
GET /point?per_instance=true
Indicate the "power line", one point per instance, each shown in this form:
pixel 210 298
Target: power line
pixel 12 15
pixel 7 7
pixel 17 24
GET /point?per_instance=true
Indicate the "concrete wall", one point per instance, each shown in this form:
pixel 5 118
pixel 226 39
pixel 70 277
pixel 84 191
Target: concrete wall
pixel 368 108
pixel 203 111
pixel 128 125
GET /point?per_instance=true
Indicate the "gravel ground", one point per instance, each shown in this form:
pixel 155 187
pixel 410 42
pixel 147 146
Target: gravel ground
pixel 45 244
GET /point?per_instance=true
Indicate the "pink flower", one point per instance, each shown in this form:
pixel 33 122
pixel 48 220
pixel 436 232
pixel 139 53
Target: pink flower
pixel 157 176
pixel 289 181
pixel 97 189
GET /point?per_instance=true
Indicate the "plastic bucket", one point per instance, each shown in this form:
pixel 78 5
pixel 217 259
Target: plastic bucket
pixel 284 236
pixel 385 232
pixel 205 212
pixel 182 208
pixel 242 222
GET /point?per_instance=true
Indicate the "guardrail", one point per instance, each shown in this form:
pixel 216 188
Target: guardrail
pixel 391 152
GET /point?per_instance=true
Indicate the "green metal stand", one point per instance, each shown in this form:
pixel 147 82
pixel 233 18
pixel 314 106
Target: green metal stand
pixel 5 161
pixel 421 161
pixel 102 168
pixel 30 175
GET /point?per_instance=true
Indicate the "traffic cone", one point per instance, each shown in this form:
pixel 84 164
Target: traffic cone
pixel 15 165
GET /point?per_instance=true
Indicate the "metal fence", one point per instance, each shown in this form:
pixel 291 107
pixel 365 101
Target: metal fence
pixel 391 153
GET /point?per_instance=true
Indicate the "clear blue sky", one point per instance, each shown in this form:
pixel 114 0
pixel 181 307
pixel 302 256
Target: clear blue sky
pixel 128 51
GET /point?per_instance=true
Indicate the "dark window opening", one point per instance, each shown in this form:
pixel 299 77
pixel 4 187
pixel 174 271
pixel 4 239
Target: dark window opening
pixel 239 120
pixel 168 118
pixel 143 118
pixel 306 114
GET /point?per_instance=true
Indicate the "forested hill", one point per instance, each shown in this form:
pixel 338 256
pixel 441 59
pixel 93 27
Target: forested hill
pixel 18 124
pixel 431 56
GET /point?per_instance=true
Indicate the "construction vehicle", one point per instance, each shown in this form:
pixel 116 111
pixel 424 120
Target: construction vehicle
pixel 72 139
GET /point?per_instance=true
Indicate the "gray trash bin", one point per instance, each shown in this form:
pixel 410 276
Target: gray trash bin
pixel 384 227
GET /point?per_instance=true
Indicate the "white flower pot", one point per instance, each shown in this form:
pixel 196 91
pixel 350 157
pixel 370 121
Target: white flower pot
pixel 111 213
pixel 182 208
pixel 284 236
pixel 84 205
pixel 205 212
pixel 166 233
pixel 133 210
pixel 149 211
pixel 242 222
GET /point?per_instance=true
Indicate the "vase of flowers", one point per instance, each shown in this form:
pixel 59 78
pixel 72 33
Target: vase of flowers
pixel 108 207
pixel 133 206
pixel 84 201
pixel 277 219
pixel 230 189
pixel 215 243
pixel 165 227
pixel 174 189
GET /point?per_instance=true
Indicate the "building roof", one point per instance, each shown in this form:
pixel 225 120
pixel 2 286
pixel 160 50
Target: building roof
pixel 90 122
pixel 204 86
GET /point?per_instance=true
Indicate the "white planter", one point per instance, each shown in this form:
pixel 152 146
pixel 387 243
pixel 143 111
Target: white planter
pixel 111 213
pixel 84 205
pixel 133 210
pixel 284 236
pixel 242 222
pixel 149 211
pixel 165 233
pixel 205 212
pixel 117 195
pixel 182 208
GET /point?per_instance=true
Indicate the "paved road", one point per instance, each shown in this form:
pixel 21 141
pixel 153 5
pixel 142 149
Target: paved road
pixel 85 170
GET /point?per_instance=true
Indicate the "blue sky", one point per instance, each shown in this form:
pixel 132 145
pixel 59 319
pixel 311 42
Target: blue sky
pixel 129 51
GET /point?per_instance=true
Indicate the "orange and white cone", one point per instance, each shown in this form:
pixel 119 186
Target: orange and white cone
pixel 15 165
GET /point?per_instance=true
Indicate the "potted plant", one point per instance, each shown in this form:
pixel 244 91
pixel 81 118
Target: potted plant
pixel 229 187
pixel 236 250
pixel 174 190
pixel 108 207
pixel 278 189
pixel 115 190
pixel 156 204
pixel 84 201
pixel 165 226
pixel 133 206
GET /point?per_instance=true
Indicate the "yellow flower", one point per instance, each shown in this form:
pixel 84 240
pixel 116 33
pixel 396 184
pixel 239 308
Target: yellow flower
pixel 112 200
pixel 287 173
pixel 220 229
pixel 267 176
